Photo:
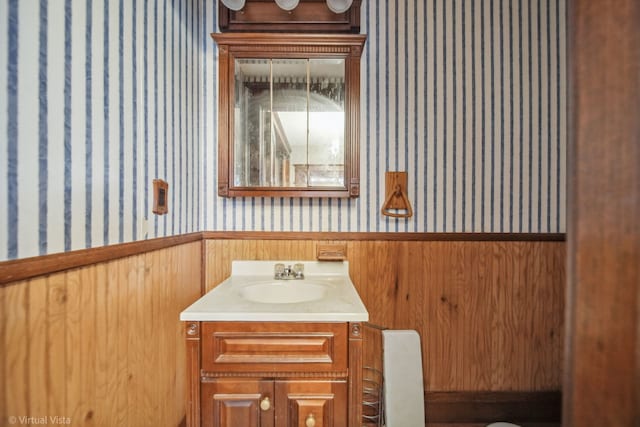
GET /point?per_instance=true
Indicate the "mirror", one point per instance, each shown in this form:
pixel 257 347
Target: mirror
pixel 289 120
pixel 289 123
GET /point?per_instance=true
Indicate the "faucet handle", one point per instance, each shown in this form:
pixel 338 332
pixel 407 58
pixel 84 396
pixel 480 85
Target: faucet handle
pixel 298 270
pixel 278 270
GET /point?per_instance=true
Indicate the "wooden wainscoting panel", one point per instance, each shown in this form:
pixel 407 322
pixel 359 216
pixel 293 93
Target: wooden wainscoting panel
pixel 547 344
pixel 16 347
pixel 38 343
pixel 168 343
pixel 476 347
pixel 119 321
pixel 445 316
pixel 79 341
pixel 135 314
pixel 489 313
pixel 156 267
pixel 101 344
pixel 151 272
pixel 103 350
pixel 57 296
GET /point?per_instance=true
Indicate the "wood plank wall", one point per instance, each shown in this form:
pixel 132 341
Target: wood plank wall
pixel 490 313
pixel 100 344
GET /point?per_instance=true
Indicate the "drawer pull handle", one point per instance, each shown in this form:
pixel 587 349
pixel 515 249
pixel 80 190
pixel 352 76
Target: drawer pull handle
pixel 310 421
pixel 265 404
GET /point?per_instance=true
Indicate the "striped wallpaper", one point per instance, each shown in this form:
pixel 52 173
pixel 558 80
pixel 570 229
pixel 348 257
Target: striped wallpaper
pixel 468 97
pixel 99 97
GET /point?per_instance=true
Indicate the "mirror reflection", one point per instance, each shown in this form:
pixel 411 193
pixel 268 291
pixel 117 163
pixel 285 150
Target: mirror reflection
pixel 289 123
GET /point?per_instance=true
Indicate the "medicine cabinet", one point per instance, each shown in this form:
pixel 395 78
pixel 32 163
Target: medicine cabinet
pixel 288 122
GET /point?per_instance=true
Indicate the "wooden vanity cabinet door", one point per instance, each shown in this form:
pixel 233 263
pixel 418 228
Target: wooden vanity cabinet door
pixel 237 402
pixel 313 403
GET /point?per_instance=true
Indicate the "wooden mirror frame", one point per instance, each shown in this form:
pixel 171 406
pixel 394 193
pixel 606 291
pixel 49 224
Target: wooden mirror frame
pixel 281 45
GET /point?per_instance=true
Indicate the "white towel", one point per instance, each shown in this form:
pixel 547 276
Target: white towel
pixel 403 382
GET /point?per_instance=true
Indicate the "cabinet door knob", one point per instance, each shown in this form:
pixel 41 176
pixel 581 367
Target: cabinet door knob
pixel 265 404
pixel 310 421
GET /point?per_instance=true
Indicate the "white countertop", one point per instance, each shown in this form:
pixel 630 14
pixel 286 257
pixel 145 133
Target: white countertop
pixel 340 303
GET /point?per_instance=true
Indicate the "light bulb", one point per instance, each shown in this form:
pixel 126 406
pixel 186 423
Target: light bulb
pixel 287 4
pixel 234 4
pixel 339 6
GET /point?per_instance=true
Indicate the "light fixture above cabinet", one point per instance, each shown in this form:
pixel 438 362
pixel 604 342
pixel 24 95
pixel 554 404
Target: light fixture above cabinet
pixel 336 6
pixel 293 16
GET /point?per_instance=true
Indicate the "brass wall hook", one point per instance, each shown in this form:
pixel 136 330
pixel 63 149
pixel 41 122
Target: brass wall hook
pixel 396 196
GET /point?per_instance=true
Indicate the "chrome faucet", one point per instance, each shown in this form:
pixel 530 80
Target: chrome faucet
pixel 282 272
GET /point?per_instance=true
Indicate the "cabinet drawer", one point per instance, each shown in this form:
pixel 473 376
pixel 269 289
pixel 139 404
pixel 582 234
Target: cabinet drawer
pixel 282 346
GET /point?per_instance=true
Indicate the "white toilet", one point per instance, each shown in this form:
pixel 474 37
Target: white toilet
pixel 403 381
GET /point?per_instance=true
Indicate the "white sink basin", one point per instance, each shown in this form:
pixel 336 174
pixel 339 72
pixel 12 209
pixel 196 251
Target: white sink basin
pixel 283 292
pixel 250 293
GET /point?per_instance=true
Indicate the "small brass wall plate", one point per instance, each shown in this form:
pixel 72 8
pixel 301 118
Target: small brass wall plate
pixel 160 197
pixel 331 252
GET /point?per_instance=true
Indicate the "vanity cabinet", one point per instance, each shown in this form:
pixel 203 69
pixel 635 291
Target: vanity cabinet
pixel 274 374
pixel 234 402
pixel 237 402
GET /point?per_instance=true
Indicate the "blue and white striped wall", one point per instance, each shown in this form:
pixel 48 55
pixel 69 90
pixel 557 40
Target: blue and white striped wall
pixel 99 97
pixel 468 97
